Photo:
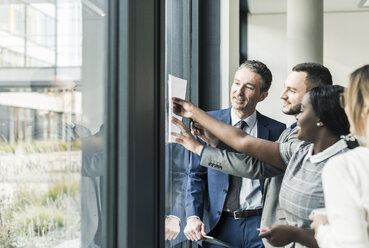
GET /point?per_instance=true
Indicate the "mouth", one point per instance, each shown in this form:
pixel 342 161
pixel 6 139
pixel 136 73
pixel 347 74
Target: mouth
pixel 285 104
pixel 239 100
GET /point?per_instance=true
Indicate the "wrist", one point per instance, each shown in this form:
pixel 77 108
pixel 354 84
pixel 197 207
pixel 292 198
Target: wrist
pixel 173 217
pixel 192 112
pixel 198 151
pixel 192 219
pixel 298 234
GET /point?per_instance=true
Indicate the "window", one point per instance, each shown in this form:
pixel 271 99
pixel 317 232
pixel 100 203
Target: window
pixel 178 64
pixel 53 66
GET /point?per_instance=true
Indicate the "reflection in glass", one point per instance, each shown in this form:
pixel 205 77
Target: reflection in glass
pixel 178 63
pixel 40 163
pixel 52 69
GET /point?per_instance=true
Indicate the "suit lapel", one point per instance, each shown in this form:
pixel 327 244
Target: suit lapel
pixel 263 130
pixel 225 116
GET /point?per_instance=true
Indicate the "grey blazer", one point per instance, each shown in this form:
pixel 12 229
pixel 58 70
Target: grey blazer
pixel 240 164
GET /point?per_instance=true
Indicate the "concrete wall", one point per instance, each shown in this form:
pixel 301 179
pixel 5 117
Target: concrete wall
pixel 229 39
pixel 346 47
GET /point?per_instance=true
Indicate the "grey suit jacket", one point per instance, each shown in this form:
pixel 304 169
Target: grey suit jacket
pixel 240 164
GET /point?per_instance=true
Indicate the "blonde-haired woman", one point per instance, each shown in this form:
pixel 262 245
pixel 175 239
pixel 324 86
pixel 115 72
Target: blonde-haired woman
pixel 346 177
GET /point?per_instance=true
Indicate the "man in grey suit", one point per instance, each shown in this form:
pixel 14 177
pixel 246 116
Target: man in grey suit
pixel 303 78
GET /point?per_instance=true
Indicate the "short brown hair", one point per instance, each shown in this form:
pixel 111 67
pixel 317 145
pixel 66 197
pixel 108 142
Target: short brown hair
pixel 317 75
pixel 261 69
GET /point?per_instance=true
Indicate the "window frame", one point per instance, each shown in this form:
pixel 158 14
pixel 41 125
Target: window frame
pixel 134 194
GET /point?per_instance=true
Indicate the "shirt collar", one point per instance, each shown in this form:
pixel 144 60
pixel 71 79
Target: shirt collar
pixel 250 121
pixel 327 153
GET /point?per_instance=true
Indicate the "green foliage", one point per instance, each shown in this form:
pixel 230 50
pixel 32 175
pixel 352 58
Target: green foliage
pixel 41 219
pixel 6 147
pixel 41 146
pixel 59 190
pixel 6 239
pixel 35 214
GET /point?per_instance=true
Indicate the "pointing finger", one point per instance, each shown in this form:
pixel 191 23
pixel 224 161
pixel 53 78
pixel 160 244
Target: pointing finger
pixel 178 100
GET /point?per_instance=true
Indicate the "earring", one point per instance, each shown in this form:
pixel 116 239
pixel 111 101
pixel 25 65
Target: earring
pixel 319 124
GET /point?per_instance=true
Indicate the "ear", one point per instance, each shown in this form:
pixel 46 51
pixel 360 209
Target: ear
pixel 263 96
pixel 318 122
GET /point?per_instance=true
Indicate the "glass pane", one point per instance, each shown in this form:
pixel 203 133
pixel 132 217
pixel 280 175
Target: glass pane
pixel 52 81
pixel 178 64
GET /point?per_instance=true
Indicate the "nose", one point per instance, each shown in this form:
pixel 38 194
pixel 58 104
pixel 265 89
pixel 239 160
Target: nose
pixel 240 90
pixel 284 95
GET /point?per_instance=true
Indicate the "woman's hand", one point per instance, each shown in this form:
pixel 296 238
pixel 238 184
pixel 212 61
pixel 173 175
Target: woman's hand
pixel 279 235
pixel 183 108
pixel 204 134
pixel 283 235
pixel 317 220
pixel 186 139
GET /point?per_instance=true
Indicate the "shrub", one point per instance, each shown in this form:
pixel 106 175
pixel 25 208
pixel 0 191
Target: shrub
pixel 41 146
pixel 61 189
pixel 40 219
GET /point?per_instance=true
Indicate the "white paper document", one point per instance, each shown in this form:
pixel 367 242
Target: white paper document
pixel 176 88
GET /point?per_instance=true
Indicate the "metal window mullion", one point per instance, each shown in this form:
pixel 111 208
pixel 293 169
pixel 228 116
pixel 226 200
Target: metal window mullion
pixel 113 128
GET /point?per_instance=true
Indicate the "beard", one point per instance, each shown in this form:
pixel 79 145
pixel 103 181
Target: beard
pixel 294 110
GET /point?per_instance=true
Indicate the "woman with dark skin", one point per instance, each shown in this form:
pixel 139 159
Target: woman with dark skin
pixel 321 122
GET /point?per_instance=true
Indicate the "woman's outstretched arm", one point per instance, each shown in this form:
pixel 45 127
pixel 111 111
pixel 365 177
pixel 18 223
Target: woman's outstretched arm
pixel 264 150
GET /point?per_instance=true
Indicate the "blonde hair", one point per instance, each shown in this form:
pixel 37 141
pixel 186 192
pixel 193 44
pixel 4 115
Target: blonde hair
pixel 356 95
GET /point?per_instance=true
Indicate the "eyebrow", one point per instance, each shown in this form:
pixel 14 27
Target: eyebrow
pixel 248 83
pixel 291 88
